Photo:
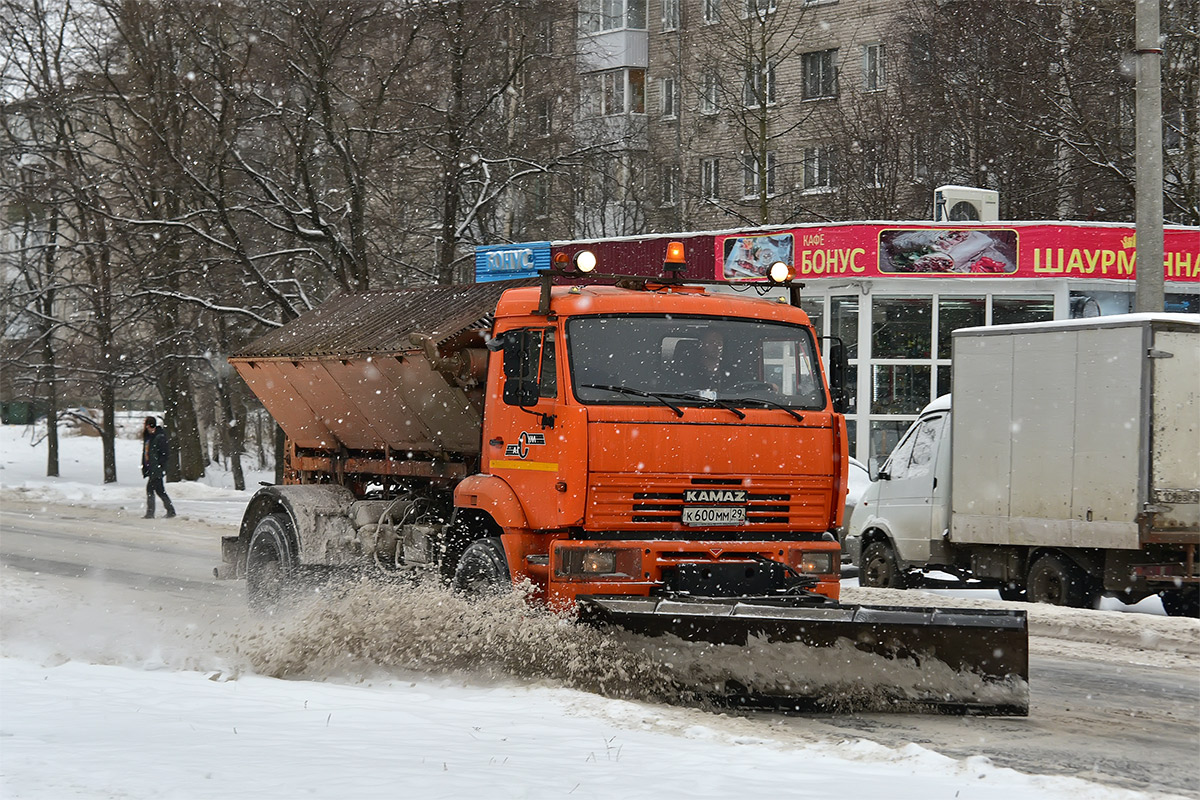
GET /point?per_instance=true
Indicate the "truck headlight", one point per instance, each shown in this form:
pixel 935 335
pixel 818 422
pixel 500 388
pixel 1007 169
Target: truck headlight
pixel 814 563
pixel 575 562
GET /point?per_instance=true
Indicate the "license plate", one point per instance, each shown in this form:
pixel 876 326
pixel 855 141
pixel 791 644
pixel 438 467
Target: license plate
pixel 714 515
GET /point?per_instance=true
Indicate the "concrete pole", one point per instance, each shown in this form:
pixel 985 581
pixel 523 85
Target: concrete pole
pixel 1149 160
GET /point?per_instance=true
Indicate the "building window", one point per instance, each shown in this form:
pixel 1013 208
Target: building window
pixel 1174 130
pixel 759 8
pixel 670 15
pixel 760 85
pixel 712 10
pixel 819 76
pixel 540 196
pixel 710 178
pixel 818 168
pixel 874 67
pixel 545 37
pixel 709 88
pixel 751 185
pixel 670 98
pixel 872 164
pixel 597 16
pixel 541 116
pixel 670 186
pixel 616 91
pixel 636 80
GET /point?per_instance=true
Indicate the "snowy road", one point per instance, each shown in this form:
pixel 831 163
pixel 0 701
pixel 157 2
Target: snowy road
pixel 1115 697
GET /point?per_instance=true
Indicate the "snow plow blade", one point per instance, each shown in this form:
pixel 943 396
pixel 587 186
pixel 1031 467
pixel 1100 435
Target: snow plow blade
pixel 788 653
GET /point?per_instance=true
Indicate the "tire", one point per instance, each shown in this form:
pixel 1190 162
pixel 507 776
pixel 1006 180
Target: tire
pixel 268 563
pixel 1181 602
pixel 483 569
pixel 1014 593
pixel 1056 580
pixel 879 568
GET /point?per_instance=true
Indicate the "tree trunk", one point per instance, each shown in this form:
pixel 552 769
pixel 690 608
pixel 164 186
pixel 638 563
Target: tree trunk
pixel 51 369
pixel 108 428
pixel 187 451
pixel 232 432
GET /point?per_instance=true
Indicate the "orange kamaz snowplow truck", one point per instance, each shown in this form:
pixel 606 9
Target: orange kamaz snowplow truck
pixel 659 457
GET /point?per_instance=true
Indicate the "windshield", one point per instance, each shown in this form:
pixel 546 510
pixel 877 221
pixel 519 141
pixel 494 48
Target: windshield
pixel 642 360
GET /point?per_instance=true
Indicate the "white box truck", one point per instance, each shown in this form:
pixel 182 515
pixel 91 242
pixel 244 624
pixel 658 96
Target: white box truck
pixel 1067 466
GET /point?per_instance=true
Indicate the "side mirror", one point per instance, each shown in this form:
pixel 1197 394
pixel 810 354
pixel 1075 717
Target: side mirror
pixel 839 369
pixel 522 352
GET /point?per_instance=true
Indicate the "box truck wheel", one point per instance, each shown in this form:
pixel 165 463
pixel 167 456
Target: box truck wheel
pixel 266 563
pixel 1182 602
pixel 482 569
pixel 879 568
pixel 1013 592
pixel 1056 580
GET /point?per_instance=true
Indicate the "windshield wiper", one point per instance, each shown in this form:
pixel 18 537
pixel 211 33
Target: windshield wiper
pixel 748 401
pixel 637 393
pixel 697 398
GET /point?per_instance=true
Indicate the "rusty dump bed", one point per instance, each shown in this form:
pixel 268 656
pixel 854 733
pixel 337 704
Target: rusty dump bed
pixel 394 369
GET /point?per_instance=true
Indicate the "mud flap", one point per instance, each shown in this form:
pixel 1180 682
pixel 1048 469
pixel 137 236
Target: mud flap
pixel 793 654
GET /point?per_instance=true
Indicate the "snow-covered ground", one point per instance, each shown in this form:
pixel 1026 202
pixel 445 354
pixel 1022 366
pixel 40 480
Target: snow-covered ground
pixel 145 727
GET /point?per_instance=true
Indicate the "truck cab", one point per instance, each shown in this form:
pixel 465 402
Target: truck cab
pixel 627 431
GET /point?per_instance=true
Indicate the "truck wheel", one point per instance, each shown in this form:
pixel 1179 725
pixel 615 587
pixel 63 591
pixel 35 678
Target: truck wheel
pixel 483 569
pixel 1181 602
pixel 879 568
pixel 1014 592
pixel 266 567
pixel 1056 580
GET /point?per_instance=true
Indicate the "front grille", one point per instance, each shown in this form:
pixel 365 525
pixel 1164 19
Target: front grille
pixel 801 502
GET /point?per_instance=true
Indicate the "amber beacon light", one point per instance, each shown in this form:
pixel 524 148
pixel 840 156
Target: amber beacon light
pixel 675 259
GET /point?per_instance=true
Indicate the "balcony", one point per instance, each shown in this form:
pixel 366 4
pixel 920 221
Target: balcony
pixel 613 49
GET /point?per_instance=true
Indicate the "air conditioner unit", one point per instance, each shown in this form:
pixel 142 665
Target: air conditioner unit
pixel 965 204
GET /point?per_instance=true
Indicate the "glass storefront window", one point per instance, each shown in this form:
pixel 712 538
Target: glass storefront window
pixel 955 313
pixel 852 388
pixel 944 374
pixel 899 388
pixel 902 327
pixel 1183 303
pixel 1032 308
pixel 843 322
pixel 815 308
pixel 885 434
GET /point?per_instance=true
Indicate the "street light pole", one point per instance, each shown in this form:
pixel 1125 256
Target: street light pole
pixel 1149 161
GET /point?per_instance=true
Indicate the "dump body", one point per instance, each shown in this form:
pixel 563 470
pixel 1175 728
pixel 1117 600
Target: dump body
pixel 366 373
pixel 1068 465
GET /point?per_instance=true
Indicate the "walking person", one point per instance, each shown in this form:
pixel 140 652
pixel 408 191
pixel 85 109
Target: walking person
pixel 155 450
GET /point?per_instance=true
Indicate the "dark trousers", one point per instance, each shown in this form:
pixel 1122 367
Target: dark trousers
pixel 154 486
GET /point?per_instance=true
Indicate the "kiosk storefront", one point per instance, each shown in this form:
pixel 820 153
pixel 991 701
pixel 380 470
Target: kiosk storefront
pixel 894 292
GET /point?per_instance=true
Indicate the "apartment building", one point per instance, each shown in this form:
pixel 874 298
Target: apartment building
pixel 731 112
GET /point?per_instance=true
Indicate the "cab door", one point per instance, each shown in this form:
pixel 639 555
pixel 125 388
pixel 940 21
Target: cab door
pixel 909 489
pixel 523 442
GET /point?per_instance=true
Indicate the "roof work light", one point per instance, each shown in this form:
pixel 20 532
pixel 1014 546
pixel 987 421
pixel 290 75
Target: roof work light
pixel 585 261
pixel 781 272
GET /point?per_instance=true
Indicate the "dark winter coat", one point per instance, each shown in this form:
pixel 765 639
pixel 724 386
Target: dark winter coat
pixel 155 451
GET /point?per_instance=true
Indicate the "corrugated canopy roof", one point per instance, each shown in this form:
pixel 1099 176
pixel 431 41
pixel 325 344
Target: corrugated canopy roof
pixel 381 321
